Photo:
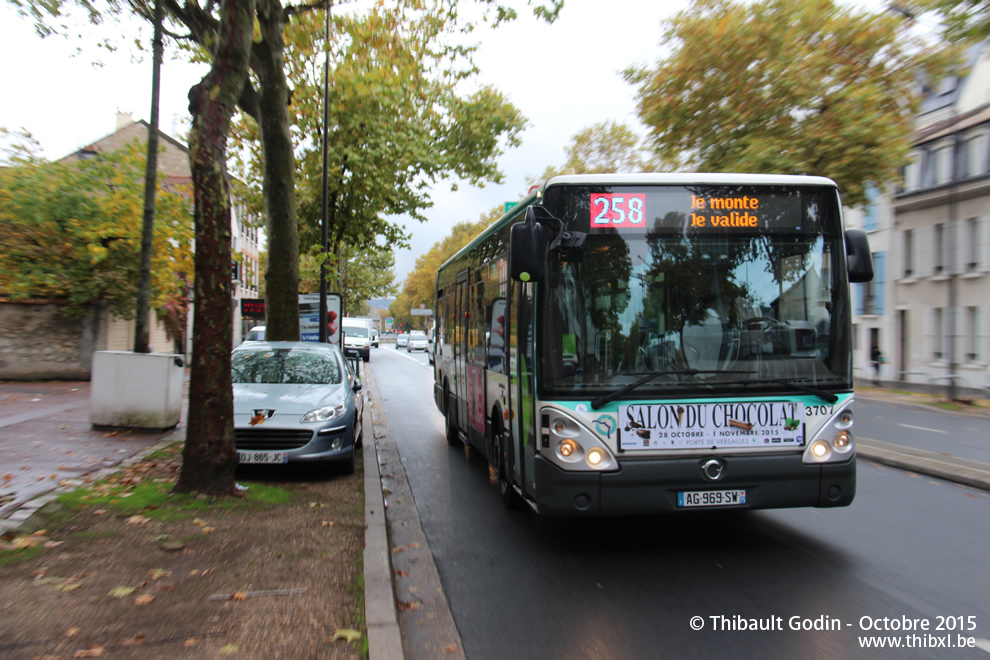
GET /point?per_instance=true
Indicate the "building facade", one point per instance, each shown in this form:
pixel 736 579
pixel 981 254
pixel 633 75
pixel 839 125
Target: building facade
pixel 928 309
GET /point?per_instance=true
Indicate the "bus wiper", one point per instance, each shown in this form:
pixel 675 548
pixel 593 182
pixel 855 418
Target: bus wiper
pixel 824 395
pixel 612 396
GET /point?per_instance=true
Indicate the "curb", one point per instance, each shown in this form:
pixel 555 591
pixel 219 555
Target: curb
pixel 380 610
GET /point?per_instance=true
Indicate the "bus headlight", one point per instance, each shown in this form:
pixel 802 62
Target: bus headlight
pixel 842 439
pixel 820 450
pixel 569 443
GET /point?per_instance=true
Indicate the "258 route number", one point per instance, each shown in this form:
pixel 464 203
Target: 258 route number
pixel 612 210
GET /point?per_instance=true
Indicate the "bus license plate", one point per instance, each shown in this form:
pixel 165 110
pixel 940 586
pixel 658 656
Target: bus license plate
pixel 265 457
pixel 711 498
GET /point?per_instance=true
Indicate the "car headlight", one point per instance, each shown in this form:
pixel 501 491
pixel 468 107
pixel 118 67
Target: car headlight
pixel 325 413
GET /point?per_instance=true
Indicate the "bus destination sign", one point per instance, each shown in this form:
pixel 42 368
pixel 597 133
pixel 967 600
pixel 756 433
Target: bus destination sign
pixel 680 209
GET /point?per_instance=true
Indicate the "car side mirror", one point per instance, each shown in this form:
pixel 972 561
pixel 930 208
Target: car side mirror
pixel 357 385
pixel 859 261
pixel 526 249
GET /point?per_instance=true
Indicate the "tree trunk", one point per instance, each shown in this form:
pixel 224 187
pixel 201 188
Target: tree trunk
pixel 279 182
pixel 209 457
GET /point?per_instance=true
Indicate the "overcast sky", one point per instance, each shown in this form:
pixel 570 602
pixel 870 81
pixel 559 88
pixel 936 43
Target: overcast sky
pixel 563 77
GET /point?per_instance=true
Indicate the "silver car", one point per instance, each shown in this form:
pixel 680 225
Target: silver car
pixel 417 342
pixel 296 402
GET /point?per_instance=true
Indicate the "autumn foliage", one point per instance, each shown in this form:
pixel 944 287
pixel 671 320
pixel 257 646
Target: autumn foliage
pixel 72 231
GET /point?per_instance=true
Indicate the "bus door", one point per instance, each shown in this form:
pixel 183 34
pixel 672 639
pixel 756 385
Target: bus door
pixel 523 403
pixel 460 350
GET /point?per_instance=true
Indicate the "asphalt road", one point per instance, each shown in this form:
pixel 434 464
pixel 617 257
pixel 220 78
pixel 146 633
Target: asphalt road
pixel 522 586
pixel 930 429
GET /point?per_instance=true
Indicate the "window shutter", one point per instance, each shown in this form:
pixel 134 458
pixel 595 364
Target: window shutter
pixel 878 281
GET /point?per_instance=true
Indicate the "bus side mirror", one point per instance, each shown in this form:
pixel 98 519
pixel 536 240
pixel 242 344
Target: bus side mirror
pixel 859 261
pixel 527 250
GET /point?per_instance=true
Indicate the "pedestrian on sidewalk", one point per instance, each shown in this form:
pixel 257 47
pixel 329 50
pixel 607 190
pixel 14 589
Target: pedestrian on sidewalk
pixel 876 358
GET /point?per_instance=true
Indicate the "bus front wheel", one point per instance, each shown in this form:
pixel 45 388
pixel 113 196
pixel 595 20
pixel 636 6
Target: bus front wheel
pixel 451 426
pixel 501 463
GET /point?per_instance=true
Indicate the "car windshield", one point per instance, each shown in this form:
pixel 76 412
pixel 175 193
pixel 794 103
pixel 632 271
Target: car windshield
pixel 695 296
pixel 355 331
pixel 418 335
pixel 290 366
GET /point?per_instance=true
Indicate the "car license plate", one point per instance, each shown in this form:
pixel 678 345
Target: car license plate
pixel 262 457
pixel 711 498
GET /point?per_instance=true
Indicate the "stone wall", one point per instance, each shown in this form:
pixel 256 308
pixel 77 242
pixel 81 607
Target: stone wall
pixel 38 343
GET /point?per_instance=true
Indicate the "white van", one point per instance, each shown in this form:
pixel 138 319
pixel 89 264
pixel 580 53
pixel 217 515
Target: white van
pixel 357 337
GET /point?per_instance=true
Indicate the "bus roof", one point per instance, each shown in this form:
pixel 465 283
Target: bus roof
pixel 690 178
pixel 671 179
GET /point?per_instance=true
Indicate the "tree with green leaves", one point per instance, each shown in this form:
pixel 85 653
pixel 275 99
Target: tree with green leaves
pixel 421 283
pixel 607 146
pixel 786 86
pixel 398 123
pixel 72 231
pixel 962 20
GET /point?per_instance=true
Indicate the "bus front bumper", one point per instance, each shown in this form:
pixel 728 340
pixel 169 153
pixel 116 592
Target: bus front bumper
pixel 644 487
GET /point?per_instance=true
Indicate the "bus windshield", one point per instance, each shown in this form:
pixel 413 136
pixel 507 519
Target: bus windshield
pixel 728 287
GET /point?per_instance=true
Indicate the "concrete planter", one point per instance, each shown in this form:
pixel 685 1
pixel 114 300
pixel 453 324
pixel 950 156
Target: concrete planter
pixel 136 390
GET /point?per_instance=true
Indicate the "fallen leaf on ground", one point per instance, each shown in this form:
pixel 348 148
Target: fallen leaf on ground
pixel 192 641
pixel 401 573
pixel 347 634
pixel 405 606
pixel 53 544
pixel 143 599
pixel 91 652
pixel 239 595
pixel 121 592
pixel 396 551
pixel 138 520
pixel 199 522
pixel 72 632
pixel 68 586
pixel 413 546
pixel 229 649
pixel 158 573
pixel 450 648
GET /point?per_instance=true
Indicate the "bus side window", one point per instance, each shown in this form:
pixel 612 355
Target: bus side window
pixel 496 336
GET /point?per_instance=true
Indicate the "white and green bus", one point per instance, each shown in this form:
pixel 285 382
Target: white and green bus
pixel 636 344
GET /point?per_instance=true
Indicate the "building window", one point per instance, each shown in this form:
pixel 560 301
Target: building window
pixel 961 161
pixel 870 209
pixel 972 334
pixel 871 293
pixel 939 334
pixel 973 243
pixel 939 248
pixel 927 169
pixel 908 252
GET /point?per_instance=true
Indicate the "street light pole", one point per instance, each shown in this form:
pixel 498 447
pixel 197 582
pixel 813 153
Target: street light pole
pixel 141 331
pixel 324 229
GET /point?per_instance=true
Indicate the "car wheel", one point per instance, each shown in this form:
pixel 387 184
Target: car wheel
pixel 367 356
pixel 348 465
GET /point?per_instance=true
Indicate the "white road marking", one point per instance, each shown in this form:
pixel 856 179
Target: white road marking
pixel 922 428
pixel 410 357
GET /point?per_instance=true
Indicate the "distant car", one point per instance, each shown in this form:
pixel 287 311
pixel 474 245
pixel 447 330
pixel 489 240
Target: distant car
pixel 357 338
pixel 417 342
pixel 257 333
pixel 296 402
pixel 401 340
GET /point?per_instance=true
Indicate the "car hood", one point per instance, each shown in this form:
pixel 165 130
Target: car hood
pixel 295 400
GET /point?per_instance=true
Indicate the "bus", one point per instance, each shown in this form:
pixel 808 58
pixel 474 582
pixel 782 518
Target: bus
pixel 649 343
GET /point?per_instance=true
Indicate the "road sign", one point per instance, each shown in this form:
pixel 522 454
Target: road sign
pixel 421 312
